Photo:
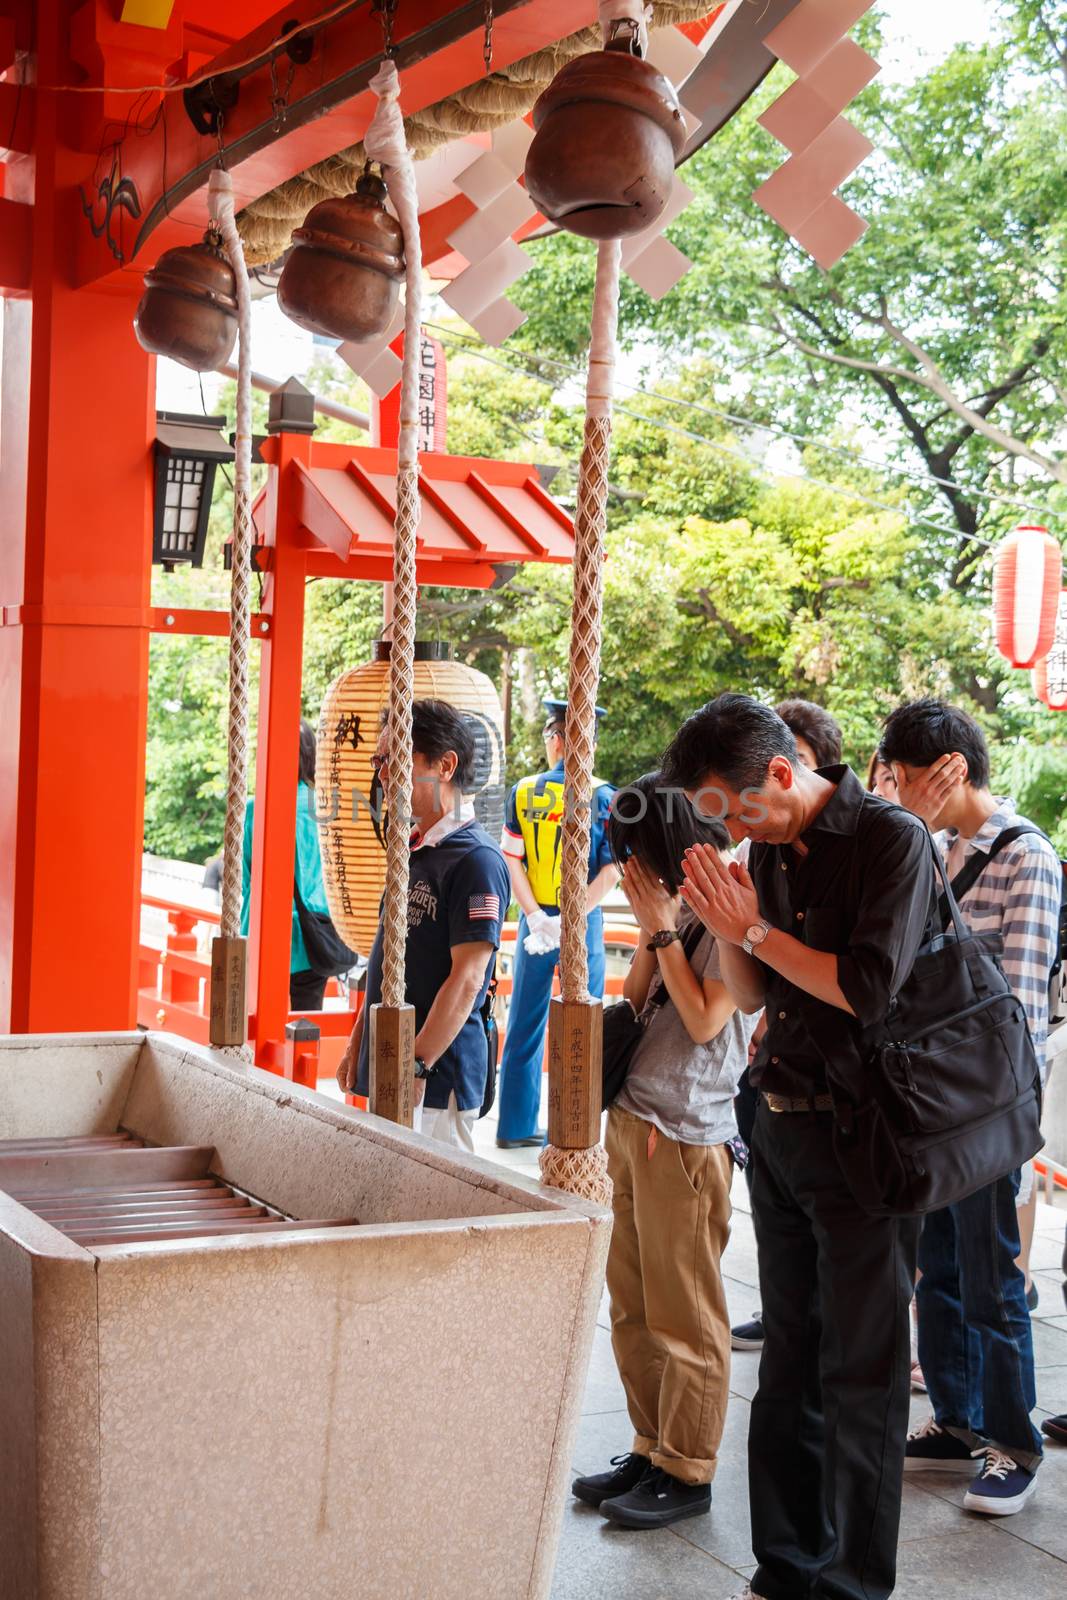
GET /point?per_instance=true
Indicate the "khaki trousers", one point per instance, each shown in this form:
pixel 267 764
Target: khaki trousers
pixel 670 1329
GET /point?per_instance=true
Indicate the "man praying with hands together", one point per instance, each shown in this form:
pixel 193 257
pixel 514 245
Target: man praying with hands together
pixel 821 929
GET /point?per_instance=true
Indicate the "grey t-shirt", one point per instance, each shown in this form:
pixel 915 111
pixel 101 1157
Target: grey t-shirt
pixel 687 1089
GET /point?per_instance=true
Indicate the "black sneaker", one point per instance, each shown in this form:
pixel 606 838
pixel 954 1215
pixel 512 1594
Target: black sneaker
pixel 933 1449
pixel 748 1335
pixel 1055 1428
pixel 598 1486
pixel 658 1500
pixel 1033 1299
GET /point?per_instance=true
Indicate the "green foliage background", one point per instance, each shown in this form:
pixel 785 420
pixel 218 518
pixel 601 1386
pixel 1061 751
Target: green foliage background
pixel 737 560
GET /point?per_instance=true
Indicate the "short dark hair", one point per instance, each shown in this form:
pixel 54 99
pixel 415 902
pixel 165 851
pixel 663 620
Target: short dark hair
pixel 307 754
pixel 558 725
pixel 805 720
pixel 734 737
pixel 437 728
pixel 656 824
pixel 920 733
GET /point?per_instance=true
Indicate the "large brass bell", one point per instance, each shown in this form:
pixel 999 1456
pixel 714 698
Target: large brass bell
pixel 189 307
pixel 609 131
pixel 342 276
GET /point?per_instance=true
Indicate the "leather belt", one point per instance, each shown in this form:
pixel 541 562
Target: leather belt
pixel 803 1102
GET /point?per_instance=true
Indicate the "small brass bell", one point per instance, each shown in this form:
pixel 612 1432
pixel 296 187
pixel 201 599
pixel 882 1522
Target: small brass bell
pixel 189 308
pixel 342 276
pixel 609 131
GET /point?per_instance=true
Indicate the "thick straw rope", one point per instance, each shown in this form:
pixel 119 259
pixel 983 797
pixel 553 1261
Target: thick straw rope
pixel 385 142
pixel 491 102
pixel 220 204
pixel 585 1172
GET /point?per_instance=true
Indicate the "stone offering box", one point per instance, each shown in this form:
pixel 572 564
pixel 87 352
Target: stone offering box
pixel 214 1382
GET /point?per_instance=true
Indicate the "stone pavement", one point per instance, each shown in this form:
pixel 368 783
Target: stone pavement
pixel 945 1552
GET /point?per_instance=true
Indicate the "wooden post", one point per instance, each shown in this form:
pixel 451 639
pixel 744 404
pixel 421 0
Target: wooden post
pixel 229 1019
pixel 392 1063
pixel 301 1057
pixel 575 1073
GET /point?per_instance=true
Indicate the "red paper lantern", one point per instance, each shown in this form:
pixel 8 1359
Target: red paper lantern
pixel 1049 676
pixel 1027 573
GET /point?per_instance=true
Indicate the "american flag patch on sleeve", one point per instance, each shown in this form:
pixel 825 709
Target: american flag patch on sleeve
pixel 484 908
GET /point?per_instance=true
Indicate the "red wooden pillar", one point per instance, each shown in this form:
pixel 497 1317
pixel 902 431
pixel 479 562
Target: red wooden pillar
pixel 277 751
pixel 75 548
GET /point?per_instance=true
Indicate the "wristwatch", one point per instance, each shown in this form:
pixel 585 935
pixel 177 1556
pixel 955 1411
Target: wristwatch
pixel 422 1070
pixel 660 940
pixel 755 936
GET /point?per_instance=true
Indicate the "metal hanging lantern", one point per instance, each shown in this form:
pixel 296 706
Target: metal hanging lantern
pixel 189 308
pixel 349 798
pixel 188 451
pixel 1027 572
pixel 609 131
pixel 343 274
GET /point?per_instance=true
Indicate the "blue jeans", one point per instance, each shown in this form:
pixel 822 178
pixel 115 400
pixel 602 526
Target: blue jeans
pixel 975 1342
pixel 531 991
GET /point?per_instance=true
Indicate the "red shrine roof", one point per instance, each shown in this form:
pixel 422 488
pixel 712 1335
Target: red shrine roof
pixel 477 514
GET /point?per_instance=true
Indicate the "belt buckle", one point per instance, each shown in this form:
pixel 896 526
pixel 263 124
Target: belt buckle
pixel 774 1103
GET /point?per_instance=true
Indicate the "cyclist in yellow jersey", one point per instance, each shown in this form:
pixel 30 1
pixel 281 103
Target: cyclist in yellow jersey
pixel 531 843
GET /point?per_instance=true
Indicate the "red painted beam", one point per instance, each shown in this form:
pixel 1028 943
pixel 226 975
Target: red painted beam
pixel 15 245
pixel 439 51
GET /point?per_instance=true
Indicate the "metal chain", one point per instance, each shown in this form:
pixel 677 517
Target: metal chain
pixel 386 10
pixel 487 43
pixel 279 97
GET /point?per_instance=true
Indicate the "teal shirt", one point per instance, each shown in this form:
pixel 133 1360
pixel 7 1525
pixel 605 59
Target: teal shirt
pixel 308 871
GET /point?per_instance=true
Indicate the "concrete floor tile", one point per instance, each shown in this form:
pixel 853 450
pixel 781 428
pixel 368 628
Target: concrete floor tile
pixel 1052 1389
pixel 744 1373
pixel 726 1533
pixel 603 1389
pixel 988 1562
pixel 1046 1253
pixel 1055 1322
pixel 597 1560
pixel 1050 1344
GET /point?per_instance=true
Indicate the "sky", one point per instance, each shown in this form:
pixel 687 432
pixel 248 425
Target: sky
pixel 918 34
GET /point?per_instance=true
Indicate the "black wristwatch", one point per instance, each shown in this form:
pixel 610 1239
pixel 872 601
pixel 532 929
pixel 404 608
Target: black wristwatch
pixel 422 1070
pixel 660 940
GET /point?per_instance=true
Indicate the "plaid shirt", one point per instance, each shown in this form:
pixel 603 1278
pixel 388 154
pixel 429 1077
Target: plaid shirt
pixel 1017 896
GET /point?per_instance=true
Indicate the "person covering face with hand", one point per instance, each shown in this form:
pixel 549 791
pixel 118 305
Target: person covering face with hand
pixel 820 928
pixel 669 1157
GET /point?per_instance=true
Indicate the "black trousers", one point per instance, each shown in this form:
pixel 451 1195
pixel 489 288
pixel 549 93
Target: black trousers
pixel 829 1421
pixel 306 990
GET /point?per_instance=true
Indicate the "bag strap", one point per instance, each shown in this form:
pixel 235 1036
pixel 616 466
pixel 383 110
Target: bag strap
pixel 972 870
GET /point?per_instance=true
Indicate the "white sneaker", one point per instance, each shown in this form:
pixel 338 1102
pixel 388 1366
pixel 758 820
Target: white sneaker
pixel 748 1593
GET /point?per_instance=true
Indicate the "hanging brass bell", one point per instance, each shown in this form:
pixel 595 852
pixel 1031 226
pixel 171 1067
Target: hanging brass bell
pixel 342 276
pixel 609 131
pixel 189 308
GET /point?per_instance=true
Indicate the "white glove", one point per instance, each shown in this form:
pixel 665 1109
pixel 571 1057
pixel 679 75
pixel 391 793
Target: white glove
pixel 543 936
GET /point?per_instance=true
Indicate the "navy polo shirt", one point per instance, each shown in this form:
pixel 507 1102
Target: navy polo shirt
pixel 458 893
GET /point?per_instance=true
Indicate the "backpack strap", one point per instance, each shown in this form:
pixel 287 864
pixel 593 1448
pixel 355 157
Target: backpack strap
pixel 972 870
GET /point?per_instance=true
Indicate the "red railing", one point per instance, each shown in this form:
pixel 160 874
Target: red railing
pixel 174 982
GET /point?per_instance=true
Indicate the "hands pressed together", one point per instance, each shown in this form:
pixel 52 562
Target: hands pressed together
pixel 655 908
pixel 720 892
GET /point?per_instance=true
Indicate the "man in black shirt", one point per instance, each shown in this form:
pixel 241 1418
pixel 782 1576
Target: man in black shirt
pixel 821 929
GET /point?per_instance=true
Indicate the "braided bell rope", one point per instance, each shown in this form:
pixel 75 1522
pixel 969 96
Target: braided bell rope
pixel 386 143
pixel 586 618
pixel 585 1172
pixel 490 102
pixel 220 203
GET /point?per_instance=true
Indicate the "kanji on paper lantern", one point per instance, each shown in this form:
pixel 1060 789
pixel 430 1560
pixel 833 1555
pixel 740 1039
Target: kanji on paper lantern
pixel 1027 573
pixel 348 796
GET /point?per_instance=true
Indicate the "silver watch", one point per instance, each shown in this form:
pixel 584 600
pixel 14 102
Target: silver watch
pixel 755 936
